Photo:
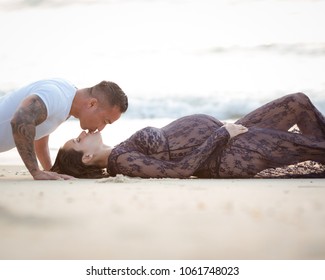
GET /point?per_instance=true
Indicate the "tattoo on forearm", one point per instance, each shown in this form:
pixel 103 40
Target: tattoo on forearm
pixel 31 113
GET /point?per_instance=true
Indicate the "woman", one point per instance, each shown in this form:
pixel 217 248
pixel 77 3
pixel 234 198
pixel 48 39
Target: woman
pixel 202 146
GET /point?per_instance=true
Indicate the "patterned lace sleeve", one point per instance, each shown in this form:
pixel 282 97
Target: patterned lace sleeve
pixel 137 164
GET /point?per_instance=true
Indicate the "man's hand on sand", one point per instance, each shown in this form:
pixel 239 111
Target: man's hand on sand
pixel 48 175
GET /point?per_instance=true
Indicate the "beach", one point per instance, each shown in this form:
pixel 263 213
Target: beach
pixel 172 58
pixel 142 219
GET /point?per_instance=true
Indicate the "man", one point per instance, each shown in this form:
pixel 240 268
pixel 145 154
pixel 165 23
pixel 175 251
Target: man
pixel 30 114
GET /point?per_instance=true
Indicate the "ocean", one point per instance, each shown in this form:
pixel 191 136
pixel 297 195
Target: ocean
pixel 172 58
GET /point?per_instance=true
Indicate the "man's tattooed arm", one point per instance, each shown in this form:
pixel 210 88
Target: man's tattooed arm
pixel 31 112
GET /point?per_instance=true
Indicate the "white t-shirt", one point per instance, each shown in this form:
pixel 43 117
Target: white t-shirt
pixel 57 95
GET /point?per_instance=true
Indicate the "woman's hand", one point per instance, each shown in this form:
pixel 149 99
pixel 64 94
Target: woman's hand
pixel 235 129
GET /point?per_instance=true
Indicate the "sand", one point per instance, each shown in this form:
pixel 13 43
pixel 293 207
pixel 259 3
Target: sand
pixel 131 218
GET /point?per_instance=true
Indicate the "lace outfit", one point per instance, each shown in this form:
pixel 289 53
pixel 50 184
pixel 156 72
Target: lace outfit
pixel 198 145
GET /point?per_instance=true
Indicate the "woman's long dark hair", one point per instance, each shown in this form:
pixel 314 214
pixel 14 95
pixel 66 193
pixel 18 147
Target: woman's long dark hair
pixel 70 162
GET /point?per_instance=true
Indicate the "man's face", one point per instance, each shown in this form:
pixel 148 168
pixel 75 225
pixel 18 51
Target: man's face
pixel 97 117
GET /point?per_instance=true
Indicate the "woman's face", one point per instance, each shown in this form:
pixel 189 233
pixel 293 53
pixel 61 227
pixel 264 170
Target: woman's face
pixel 88 143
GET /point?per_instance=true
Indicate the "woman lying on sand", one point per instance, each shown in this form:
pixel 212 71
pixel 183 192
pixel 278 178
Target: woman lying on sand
pixel 202 146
